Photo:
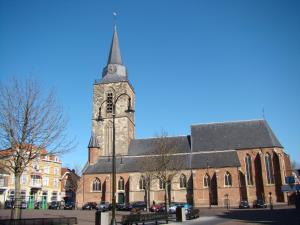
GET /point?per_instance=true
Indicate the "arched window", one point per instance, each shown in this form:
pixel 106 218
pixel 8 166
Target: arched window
pixel 182 181
pixel 248 170
pixel 96 184
pixel 228 180
pixel 269 169
pixel 206 181
pixel 162 184
pixel 142 183
pixel 121 184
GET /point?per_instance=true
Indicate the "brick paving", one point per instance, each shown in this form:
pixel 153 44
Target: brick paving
pixel 279 216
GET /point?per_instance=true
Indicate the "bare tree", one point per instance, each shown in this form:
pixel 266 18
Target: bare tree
pixel 147 179
pixel 31 122
pixel 164 164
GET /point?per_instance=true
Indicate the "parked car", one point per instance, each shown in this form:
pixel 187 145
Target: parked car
pixel 55 205
pixel 244 205
pixel 160 207
pixel 187 207
pixel 23 205
pixel 8 204
pixel 104 206
pixel 38 205
pixel 69 205
pixel 156 207
pixel 90 206
pixel 174 205
pixel 121 206
pixel 259 204
pixel 137 206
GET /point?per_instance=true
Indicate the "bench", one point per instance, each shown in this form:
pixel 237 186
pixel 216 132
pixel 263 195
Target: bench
pixel 143 218
pixel 40 221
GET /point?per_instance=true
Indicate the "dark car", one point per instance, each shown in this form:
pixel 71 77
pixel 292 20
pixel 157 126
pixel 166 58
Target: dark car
pixel 23 205
pixel 38 205
pixel 69 205
pixel 138 206
pixel 90 206
pixel 121 206
pixel 8 204
pixel 104 206
pixel 259 204
pixel 55 205
pixel 244 205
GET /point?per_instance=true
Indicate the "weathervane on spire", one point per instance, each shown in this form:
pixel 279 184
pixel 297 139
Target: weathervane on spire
pixel 115 19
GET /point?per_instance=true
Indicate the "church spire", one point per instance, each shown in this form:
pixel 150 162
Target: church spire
pixel 114 71
pixel 115 53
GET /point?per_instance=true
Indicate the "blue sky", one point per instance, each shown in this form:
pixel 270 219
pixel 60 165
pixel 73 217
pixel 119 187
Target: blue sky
pixel 190 62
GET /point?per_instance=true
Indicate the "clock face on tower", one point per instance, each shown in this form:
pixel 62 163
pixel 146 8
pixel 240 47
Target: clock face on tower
pixel 111 69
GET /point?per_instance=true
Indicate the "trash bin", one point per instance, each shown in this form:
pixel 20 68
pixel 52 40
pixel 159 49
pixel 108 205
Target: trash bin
pixel 180 214
pixel 102 218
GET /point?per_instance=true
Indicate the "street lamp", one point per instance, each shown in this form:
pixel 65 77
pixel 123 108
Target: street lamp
pixel 100 118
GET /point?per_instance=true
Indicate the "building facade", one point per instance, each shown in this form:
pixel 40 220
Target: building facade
pixel 69 183
pixel 223 162
pixel 40 180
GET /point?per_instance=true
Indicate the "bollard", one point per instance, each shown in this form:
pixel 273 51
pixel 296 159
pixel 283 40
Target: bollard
pixel 180 214
pixel 102 218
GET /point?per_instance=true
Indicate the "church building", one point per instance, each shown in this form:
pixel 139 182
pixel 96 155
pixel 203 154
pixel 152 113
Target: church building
pixel 226 161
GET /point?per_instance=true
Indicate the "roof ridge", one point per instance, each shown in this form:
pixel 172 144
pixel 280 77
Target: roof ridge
pixel 149 138
pixel 224 122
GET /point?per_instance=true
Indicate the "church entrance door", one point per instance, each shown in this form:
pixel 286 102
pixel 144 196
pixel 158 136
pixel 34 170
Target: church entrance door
pixel 121 198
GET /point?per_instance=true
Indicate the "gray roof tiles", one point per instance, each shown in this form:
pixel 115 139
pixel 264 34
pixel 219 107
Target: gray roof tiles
pixel 148 146
pixel 135 164
pixel 213 145
pixel 115 53
pixel 233 135
pixel 113 78
pixel 93 143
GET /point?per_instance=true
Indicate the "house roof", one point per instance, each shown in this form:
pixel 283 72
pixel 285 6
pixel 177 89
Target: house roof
pixel 189 161
pixel 180 144
pixel 210 145
pixel 233 135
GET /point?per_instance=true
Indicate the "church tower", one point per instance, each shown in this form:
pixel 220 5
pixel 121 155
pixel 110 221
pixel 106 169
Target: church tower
pixel 114 82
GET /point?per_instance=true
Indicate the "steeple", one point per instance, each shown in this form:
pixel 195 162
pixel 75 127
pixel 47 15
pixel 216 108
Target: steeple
pixel 93 143
pixel 114 71
pixel 115 53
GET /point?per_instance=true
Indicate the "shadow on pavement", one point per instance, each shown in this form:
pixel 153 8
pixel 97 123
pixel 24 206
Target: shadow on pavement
pixel 265 216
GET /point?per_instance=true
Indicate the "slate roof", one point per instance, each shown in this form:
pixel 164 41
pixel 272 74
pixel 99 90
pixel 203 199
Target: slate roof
pixel 233 135
pixel 93 143
pixel 197 161
pixel 115 53
pixel 113 78
pixel 180 144
pixel 212 145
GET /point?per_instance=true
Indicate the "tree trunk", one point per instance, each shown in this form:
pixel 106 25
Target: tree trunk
pixel 17 200
pixel 167 201
pixel 148 198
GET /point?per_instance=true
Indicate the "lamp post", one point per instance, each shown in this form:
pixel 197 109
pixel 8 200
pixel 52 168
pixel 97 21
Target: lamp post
pixel 129 110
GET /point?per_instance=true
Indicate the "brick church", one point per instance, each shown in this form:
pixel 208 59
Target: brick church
pixel 240 160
